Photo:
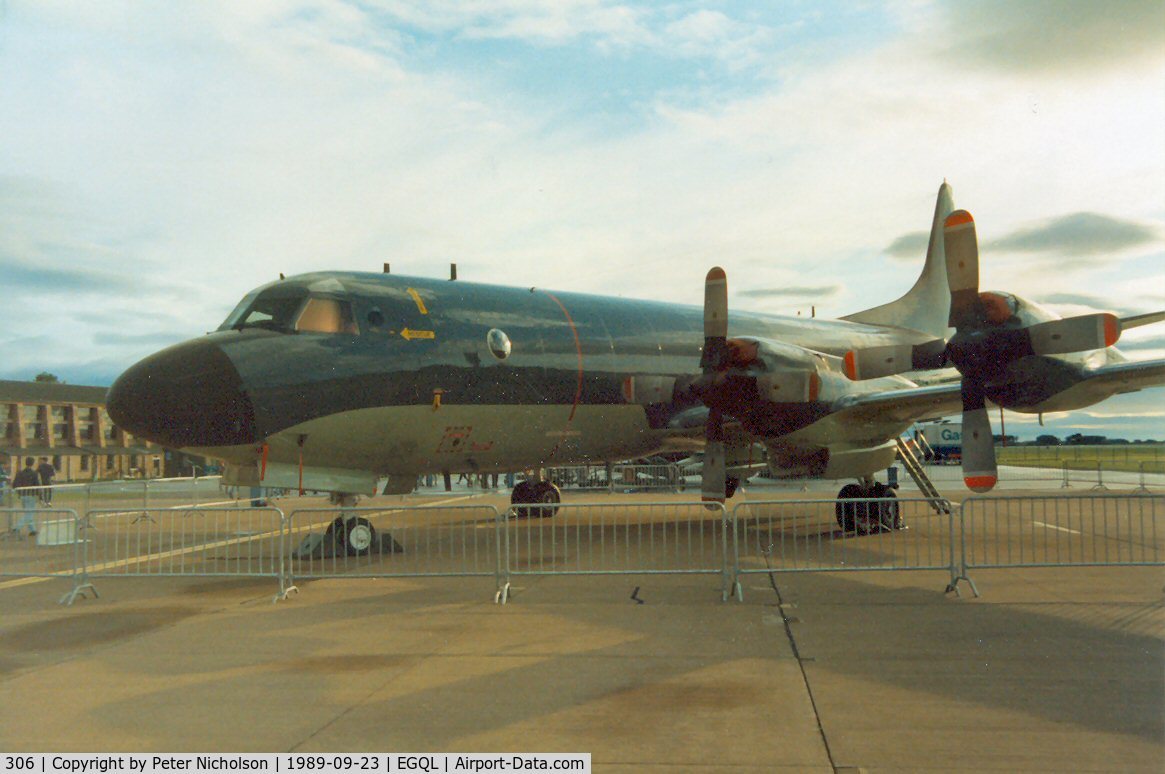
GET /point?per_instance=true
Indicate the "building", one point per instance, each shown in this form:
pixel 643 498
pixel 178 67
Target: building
pixel 68 424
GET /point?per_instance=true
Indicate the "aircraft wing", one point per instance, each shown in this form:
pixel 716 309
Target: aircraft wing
pixel 1116 378
pixel 912 404
pixel 920 403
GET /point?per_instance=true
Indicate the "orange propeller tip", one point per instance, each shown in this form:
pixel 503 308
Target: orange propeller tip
pixel 1112 329
pixel 980 483
pixel 851 365
pixel 958 218
pixel 716 273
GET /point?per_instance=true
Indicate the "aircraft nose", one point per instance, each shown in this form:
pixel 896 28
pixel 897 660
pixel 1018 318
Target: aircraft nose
pixel 188 395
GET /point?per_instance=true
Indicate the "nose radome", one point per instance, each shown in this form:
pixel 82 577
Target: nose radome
pixel 188 395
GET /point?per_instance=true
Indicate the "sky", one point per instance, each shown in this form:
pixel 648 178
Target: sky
pixel 157 161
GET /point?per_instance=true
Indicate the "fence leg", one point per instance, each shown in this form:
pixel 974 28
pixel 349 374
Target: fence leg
pixel 1142 487
pixel 80 565
pixel 1099 477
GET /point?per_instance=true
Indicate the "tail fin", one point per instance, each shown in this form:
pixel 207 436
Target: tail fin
pixel 926 306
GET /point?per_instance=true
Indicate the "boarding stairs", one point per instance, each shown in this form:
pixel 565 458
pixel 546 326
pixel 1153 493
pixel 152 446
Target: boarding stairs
pixel 911 453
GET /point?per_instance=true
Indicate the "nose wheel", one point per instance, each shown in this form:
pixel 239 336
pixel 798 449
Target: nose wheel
pixel 356 535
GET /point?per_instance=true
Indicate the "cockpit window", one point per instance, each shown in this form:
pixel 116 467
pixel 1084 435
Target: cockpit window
pixel 326 315
pixel 265 310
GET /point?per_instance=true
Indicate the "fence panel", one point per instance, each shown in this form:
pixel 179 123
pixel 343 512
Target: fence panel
pixel 39 542
pixel 626 538
pixel 183 542
pixel 1064 530
pixel 405 541
pixel 808 536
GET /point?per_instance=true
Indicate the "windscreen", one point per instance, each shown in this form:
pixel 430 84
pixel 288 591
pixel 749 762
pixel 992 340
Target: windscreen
pixel 274 308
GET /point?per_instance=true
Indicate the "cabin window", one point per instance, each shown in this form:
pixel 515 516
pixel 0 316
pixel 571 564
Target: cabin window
pixel 326 315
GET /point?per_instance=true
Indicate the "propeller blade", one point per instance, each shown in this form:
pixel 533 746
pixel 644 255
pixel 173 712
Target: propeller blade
pixel 979 470
pixel 872 362
pixel 715 319
pixel 1075 334
pixel 962 251
pixel 713 482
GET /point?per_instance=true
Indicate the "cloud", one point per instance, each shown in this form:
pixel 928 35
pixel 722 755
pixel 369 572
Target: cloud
pixel 1142 344
pixel 1054 36
pixel 791 292
pixel 1076 235
pixel 50 281
pixel 909 246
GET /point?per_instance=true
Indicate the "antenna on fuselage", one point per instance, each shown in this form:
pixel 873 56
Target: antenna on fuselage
pixel 452 272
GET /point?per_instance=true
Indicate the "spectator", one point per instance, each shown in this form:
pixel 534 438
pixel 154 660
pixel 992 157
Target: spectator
pixel 26 483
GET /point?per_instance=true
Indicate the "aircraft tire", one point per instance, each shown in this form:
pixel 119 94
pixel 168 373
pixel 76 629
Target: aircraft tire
pixel 356 535
pixel 523 494
pixel 547 495
pixel 888 513
pixel 731 484
pixel 846 512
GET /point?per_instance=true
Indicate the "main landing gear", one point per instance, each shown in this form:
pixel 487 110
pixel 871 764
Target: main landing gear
pixel 540 498
pixel 867 508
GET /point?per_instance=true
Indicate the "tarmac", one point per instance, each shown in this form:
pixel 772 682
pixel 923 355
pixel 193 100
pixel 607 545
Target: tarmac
pixel 1051 669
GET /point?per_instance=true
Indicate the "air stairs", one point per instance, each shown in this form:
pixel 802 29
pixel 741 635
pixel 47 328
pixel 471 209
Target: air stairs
pixel 911 452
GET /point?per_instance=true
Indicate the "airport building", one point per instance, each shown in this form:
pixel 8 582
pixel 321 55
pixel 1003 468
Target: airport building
pixel 68 424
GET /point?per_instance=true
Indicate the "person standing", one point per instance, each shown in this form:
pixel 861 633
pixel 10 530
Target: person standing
pixel 26 483
pixel 46 473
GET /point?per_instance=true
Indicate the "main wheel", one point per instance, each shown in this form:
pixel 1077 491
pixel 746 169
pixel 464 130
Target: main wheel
pixel 846 512
pixel 523 494
pixel 547 496
pixel 356 535
pixel 888 510
pixel 731 484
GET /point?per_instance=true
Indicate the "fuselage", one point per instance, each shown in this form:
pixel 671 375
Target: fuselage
pixel 405 375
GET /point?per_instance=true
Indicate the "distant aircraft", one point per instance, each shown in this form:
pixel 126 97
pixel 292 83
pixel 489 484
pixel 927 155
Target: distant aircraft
pixel 356 382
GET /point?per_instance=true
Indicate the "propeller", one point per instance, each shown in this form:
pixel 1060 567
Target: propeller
pixel 716 353
pixel 988 338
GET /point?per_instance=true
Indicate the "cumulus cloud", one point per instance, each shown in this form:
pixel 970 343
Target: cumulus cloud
pixel 1078 234
pixel 1053 36
pixel 791 292
pixel 908 246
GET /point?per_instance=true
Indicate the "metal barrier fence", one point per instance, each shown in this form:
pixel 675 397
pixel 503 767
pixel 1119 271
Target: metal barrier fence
pixel 623 477
pixel 40 542
pixel 218 542
pixel 610 538
pixel 806 536
pixel 616 539
pixel 1062 531
pixel 406 541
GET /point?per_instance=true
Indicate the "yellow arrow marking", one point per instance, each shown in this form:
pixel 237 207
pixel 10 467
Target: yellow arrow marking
pixel 410 335
pixel 417 297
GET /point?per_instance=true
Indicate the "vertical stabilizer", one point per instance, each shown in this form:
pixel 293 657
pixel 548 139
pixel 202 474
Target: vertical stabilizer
pixel 926 306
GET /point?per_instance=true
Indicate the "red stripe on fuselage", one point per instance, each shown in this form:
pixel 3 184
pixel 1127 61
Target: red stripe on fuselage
pixel 578 351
